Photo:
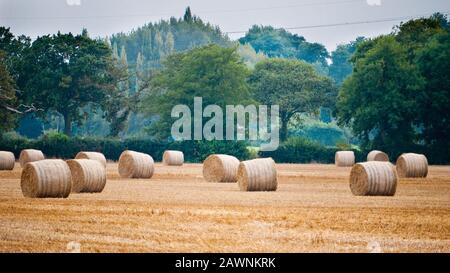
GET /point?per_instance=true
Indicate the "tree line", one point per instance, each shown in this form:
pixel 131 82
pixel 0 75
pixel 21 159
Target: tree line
pixel 392 91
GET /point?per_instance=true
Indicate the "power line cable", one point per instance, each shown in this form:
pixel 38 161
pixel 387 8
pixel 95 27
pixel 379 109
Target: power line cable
pixel 346 23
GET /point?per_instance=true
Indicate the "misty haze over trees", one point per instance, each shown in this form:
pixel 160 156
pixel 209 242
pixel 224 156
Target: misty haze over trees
pixel 390 92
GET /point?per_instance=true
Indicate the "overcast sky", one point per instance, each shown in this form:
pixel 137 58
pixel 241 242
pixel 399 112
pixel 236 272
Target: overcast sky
pixel 307 17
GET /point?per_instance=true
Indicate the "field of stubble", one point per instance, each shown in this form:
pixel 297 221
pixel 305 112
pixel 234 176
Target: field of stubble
pixel 313 210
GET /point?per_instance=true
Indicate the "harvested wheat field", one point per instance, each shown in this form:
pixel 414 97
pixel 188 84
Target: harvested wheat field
pixel 313 210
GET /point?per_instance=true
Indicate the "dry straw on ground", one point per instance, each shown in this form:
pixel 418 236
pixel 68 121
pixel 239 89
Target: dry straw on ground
pixel 373 178
pixel 92 155
pixel 220 168
pixel 412 165
pixel 135 165
pixel 173 158
pixel 377 156
pixel 344 158
pixel 257 175
pixel 46 178
pixel 30 155
pixel 88 175
pixel 7 160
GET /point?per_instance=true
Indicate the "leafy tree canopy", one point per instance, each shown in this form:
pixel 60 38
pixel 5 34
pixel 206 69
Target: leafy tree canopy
pixel 293 85
pixel 212 72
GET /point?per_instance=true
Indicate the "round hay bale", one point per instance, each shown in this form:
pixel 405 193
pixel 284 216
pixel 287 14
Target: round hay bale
pixel 7 160
pixel 173 158
pixel 377 156
pixel 220 168
pixel 92 155
pixel 412 165
pixel 88 175
pixel 373 178
pixel 257 175
pixel 135 165
pixel 344 158
pixel 30 155
pixel 46 178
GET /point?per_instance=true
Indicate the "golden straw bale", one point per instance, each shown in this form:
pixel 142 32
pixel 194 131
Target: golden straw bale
pixel 344 158
pixel 412 165
pixel 373 178
pixel 7 160
pixel 88 175
pixel 92 155
pixel 30 155
pixel 135 165
pixel 173 158
pixel 377 156
pixel 220 168
pixel 257 175
pixel 46 178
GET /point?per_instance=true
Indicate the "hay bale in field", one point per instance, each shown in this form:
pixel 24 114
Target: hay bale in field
pixel 7 160
pixel 92 155
pixel 46 178
pixel 373 178
pixel 257 175
pixel 135 165
pixel 377 156
pixel 88 175
pixel 30 155
pixel 344 158
pixel 173 158
pixel 220 168
pixel 412 165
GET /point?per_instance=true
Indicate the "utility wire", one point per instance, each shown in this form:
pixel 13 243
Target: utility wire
pixel 347 23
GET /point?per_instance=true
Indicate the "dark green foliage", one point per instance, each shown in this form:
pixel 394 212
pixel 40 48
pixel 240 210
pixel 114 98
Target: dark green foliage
pixel 341 65
pixel 293 85
pixel 283 44
pixel 212 72
pixel 8 99
pixel 59 145
pixel 301 150
pixel 397 98
pixel 66 72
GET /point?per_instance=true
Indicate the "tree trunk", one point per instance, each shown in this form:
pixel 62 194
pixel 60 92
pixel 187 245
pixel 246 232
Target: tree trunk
pixel 284 129
pixel 67 125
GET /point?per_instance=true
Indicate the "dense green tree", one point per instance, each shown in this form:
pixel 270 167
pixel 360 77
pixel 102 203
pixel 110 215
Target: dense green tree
pixel 433 61
pixel 379 100
pixel 156 40
pixel 7 97
pixel 214 73
pixel 281 43
pixel 341 65
pixel 65 72
pixel 293 85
